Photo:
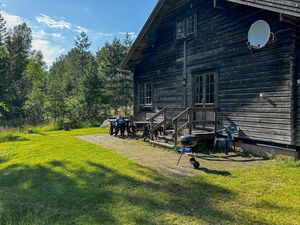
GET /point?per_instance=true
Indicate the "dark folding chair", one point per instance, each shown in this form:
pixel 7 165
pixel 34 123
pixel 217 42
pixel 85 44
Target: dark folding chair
pixel 230 131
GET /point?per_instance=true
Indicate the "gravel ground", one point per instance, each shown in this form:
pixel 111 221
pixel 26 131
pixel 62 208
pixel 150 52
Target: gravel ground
pixel 164 161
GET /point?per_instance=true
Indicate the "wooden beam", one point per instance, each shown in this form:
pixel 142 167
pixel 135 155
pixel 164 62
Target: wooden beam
pixel 221 4
pixel 288 19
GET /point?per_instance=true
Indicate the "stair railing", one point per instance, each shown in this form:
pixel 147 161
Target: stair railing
pixel 187 118
pixel 155 126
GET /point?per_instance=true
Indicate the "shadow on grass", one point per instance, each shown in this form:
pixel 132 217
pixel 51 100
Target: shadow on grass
pixel 230 158
pixel 215 172
pixel 56 193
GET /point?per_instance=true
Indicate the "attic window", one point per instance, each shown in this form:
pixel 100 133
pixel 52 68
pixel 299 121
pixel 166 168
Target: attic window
pixel 186 26
pixel 180 29
pixel 191 24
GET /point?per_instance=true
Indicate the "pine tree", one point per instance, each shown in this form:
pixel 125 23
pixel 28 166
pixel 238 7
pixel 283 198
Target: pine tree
pixel 34 106
pixel 3 30
pixel 118 83
pixel 18 46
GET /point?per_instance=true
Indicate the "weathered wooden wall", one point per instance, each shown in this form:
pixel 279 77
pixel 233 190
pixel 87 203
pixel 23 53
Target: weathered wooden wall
pixel 297 102
pixel 221 45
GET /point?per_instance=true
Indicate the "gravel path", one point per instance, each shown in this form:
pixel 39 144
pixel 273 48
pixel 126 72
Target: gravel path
pixel 164 161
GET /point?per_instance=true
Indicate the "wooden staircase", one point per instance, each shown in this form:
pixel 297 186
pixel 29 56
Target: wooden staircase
pixel 169 123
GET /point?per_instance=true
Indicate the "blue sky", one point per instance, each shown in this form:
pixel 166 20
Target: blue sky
pixel 55 23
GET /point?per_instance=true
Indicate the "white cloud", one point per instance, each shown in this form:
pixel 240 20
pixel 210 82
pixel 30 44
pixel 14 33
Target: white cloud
pixel 48 21
pixel 105 34
pixel 41 34
pixel 57 36
pixel 80 29
pixel 118 34
pixel 59 24
pixel 50 52
pixel 12 20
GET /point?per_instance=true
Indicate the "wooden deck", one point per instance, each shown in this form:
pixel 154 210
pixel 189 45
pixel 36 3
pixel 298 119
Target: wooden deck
pixel 175 122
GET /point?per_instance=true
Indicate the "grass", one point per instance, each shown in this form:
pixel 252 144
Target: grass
pixel 12 135
pixel 43 128
pixel 55 178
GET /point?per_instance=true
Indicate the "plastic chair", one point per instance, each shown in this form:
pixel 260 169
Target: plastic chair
pixel 230 131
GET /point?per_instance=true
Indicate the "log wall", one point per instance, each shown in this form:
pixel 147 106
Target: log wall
pixel 220 45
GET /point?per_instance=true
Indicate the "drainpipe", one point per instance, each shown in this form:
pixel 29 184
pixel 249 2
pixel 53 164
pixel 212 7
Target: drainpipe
pixel 185 72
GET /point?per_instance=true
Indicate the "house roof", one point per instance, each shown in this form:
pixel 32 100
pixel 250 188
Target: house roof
pixel 145 37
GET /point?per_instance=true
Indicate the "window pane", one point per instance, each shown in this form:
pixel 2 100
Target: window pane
pixel 191 22
pixel 199 90
pixel 210 88
pixel 204 89
pixel 146 93
pixel 180 29
pixel 142 93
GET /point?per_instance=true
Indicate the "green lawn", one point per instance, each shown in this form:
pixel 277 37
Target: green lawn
pixel 55 178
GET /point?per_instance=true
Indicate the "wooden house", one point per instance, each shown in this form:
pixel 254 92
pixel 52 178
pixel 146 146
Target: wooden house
pixel 193 56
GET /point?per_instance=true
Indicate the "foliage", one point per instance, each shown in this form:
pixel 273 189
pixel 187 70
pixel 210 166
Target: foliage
pixel 3 109
pixel 18 46
pixel 34 106
pixel 55 178
pixel 78 87
pixel 118 83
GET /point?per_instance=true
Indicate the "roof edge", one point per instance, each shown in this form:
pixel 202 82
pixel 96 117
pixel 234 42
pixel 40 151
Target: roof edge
pixel 266 7
pixel 142 33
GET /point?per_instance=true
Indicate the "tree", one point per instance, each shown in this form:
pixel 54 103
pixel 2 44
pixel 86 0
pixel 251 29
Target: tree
pixel 3 109
pixel 3 30
pixel 82 42
pixel 18 46
pixel 34 106
pixel 118 82
pixel 4 66
pixel 56 95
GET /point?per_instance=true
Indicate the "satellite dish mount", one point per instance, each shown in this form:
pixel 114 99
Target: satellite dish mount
pixel 260 35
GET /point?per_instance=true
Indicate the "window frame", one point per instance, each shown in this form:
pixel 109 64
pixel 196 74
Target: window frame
pixel 185 21
pixel 194 24
pixel 176 29
pixel 204 77
pixel 144 93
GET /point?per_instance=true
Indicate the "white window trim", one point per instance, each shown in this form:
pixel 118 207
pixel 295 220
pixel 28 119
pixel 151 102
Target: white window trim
pixel 205 91
pixel 144 83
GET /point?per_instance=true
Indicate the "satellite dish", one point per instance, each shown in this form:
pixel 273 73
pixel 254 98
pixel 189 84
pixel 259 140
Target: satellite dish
pixel 259 34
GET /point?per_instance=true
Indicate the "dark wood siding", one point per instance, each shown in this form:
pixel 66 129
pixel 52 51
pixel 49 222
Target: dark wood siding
pixel 297 103
pixel 221 45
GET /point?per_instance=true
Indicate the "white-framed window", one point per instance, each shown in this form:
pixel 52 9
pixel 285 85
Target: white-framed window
pixel 204 88
pixel 180 29
pixel 186 26
pixel 191 24
pixel 146 93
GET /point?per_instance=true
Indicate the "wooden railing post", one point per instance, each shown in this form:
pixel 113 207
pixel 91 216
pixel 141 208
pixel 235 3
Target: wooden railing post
pixel 151 128
pixel 175 133
pixel 165 122
pixel 216 121
pixel 190 121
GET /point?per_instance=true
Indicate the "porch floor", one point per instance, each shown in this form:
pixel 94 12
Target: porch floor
pixel 164 161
